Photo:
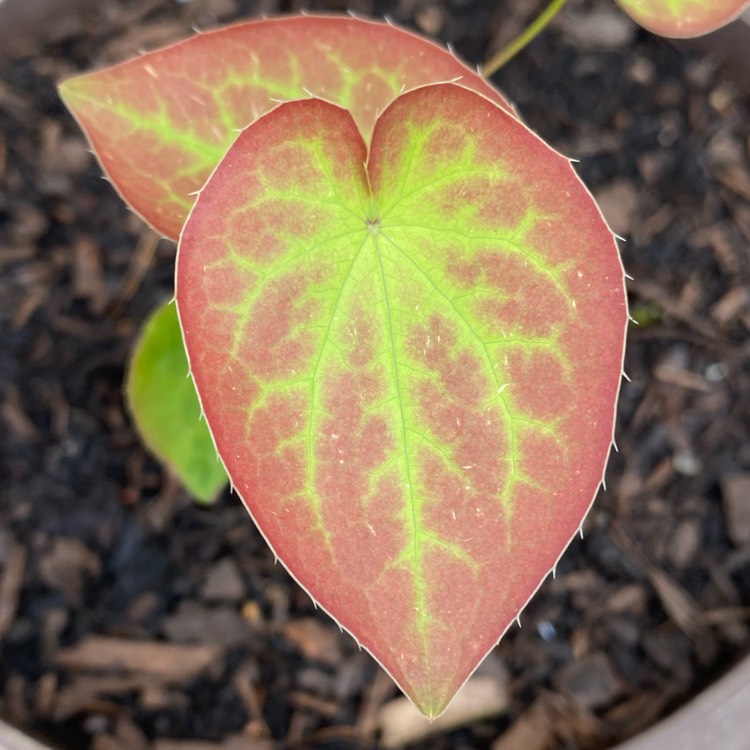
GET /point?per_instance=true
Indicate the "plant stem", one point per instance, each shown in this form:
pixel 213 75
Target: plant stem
pixel 527 35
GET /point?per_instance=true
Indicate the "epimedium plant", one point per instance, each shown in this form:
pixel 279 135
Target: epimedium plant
pixel 403 314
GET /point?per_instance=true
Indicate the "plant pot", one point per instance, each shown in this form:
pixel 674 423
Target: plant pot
pixel 12 739
pixel 716 718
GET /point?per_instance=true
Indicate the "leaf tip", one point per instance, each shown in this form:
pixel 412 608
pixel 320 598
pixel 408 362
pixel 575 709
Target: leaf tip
pixel 68 91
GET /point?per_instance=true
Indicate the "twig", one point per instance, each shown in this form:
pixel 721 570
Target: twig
pixel 525 37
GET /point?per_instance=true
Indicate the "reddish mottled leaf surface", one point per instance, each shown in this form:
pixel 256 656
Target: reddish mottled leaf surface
pixel 683 18
pixel 409 361
pixel 160 123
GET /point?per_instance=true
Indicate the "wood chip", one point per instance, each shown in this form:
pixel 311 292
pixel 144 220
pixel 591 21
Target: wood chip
pixel 737 179
pixel 88 279
pixel 67 565
pixel 235 742
pixel 599 28
pixel 630 599
pixel 670 650
pixel 140 262
pixel 531 731
pixel 11 584
pixel 15 704
pixel 668 373
pixel 29 224
pixel 247 693
pixel 618 201
pixel 590 681
pixel 719 237
pixel 314 704
pixel 61 154
pixel 223 582
pixel 170 662
pixel 574 725
pixel 127 736
pixel 740 214
pixel 86 692
pixel 684 542
pixel 316 641
pixel 735 494
pixel 45 692
pixel 186 745
pixel 735 302
pixel 380 689
pixel 15 416
pixel 195 623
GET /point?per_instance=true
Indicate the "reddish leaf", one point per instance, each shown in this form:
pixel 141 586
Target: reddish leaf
pixel 683 18
pixel 160 123
pixel 409 361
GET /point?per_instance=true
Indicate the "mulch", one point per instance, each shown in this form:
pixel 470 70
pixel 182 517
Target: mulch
pixel 131 619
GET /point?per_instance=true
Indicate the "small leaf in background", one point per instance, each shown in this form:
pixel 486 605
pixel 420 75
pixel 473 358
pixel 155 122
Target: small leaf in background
pixel 683 18
pixel 160 123
pixel 164 405
pixel 409 359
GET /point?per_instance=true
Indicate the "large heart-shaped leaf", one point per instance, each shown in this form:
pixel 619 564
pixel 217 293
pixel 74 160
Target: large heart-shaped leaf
pixel 160 123
pixel 164 405
pixel 683 18
pixel 409 360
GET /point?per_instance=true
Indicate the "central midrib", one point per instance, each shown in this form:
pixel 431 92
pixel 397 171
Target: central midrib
pixel 419 592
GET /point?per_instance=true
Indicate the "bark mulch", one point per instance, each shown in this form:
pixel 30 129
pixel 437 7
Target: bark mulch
pixel 131 619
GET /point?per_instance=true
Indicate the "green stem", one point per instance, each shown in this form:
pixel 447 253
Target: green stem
pixel 527 35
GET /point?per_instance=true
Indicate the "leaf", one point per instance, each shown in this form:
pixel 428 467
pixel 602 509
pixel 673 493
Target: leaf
pixel 409 360
pixel 165 408
pixel 160 123
pixel 683 18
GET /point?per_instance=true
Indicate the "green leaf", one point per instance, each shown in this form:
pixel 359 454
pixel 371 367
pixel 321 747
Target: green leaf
pixel 408 349
pixel 683 18
pixel 160 123
pixel 165 408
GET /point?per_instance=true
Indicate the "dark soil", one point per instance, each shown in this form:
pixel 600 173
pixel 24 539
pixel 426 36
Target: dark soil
pixel 131 619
